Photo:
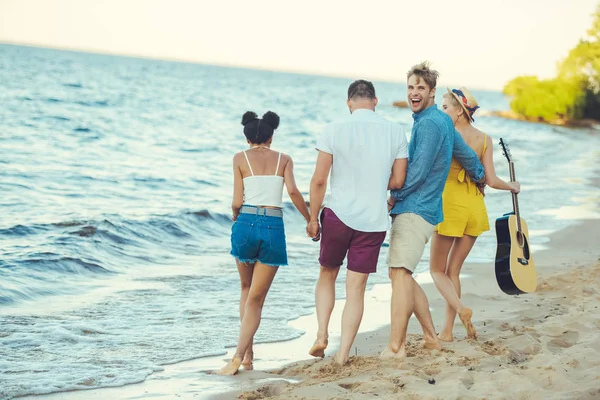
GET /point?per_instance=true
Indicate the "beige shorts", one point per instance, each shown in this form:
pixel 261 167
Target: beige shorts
pixel 410 233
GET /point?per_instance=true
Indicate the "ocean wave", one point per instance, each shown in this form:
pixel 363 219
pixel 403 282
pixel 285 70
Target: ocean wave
pixel 100 103
pixel 63 264
pixel 100 247
pixel 80 129
pixel 55 117
pixel 18 230
pixel 89 228
pixel 204 182
pixel 68 223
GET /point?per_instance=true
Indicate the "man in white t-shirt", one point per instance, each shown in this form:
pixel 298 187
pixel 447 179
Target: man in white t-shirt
pixel 367 155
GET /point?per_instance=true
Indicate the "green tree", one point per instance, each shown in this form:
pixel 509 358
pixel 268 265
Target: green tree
pixel 574 93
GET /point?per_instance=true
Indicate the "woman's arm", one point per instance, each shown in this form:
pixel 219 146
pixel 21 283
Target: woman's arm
pixel 292 189
pixel 491 178
pixel 238 188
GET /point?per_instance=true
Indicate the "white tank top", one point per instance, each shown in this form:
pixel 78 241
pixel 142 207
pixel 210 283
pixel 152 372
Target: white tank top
pixel 263 190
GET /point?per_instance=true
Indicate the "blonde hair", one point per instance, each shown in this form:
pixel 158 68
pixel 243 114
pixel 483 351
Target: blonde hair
pixel 456 104
pixel 424 71
pixel 453 100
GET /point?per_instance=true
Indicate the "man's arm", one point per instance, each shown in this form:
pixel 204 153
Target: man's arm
pixel 398 174
pixel 318 187
pixel 427 146
pixel 318 183
pixel 467 158
pixel 400 163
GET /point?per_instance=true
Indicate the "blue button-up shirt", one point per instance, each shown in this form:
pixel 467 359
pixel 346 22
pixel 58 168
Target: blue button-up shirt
pixel 433 143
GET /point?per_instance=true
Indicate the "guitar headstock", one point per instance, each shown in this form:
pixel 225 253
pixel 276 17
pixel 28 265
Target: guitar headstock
pixel 506 150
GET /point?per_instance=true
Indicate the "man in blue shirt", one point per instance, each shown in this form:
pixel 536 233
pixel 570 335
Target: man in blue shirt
pixel 417 208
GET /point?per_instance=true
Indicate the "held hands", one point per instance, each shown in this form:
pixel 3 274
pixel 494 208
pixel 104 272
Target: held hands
pixel 481 187
pixel 313 230
pixel 515 187
pixel 390 203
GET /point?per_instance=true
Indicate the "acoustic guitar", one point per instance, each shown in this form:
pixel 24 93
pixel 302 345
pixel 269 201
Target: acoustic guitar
pixel 515 269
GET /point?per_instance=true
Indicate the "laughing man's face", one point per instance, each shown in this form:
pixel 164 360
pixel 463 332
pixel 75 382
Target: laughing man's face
pixel 420 95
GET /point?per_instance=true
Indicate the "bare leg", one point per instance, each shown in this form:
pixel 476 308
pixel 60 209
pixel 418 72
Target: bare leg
pixel 324 301
pixel 356 283
pixel 403 299
pixel 262 278
pixel 440 248
pixel 245 270
pixel 458 254
pixel 423 315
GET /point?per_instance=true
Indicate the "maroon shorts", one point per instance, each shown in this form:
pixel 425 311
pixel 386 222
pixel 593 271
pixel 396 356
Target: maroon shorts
pixel 338 239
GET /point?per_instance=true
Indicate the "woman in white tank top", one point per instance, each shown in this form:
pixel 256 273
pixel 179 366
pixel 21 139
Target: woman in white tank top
pixel 257 236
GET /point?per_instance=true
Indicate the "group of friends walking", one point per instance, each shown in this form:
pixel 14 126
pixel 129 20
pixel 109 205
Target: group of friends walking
pixel 436 192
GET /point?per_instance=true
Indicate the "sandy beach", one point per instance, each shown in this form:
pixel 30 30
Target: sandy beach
pixel 537 346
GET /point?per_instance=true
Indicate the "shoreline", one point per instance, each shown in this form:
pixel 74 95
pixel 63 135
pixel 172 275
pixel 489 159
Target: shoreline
pixel 507 332
pixel 197 375
pixel 195 378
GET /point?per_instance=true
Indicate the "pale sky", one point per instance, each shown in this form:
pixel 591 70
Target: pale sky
pixel 475 43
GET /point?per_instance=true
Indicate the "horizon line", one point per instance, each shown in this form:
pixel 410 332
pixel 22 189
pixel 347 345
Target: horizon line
pixel 189 61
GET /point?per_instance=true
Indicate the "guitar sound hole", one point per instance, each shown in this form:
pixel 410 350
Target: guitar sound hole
pixel 522 242
pixel 520 239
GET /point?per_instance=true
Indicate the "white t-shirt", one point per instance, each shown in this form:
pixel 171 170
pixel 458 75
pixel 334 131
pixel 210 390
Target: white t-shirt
pixel 364 147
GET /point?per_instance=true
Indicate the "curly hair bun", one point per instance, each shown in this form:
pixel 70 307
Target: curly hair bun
pixel 272 119
pixel 250 116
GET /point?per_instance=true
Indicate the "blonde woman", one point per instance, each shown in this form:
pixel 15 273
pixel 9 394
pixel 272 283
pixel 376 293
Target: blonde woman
pixel 465 214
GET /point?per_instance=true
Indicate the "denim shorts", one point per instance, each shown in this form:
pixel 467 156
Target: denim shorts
pixel 259 238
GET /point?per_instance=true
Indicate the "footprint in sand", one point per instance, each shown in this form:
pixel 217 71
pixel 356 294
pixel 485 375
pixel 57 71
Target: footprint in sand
pixel 262 392
pixel 468 381
pixel 564 341
pixel 349 386
pixel 492 348
pixel 432 371
pixel 467 361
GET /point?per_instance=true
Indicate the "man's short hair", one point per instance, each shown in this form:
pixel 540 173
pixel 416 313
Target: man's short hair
pixel 361 89
pixel 424 71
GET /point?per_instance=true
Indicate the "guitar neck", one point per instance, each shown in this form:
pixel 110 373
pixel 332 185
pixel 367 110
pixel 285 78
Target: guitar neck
pixel 514 196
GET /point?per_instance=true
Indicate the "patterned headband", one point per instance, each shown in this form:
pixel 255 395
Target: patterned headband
pixel 465 102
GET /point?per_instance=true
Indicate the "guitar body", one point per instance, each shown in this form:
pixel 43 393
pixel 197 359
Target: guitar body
pixel 515 268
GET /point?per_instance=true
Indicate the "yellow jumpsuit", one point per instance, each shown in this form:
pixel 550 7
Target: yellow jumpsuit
pixel 463 205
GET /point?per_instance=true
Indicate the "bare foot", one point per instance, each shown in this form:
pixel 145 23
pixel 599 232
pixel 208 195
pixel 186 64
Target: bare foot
pixel 248 366
pixel 231 368
pixel 247 362
pixel 432 344
pixel 446 337
pixel 465 316
pixel 337 359
pixel 318 349
pixel 389 353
